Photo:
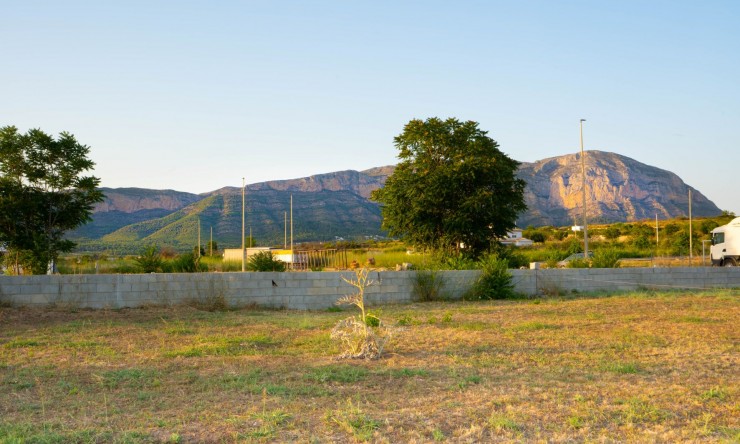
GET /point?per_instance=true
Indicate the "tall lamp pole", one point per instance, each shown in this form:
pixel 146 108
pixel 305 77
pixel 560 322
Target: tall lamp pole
pixel 244 252
pixel 585 219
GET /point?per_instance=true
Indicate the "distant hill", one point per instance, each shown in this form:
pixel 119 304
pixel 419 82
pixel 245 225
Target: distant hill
pixel 331 205
pixel 325 206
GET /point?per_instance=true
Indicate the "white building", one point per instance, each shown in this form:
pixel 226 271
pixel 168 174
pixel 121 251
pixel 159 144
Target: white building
pixel 515 238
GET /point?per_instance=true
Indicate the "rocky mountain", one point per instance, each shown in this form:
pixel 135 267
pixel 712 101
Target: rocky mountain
pixel 618 189
pixel 337 204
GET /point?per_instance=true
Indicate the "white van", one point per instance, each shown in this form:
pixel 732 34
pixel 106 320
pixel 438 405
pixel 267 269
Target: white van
pixel 725 251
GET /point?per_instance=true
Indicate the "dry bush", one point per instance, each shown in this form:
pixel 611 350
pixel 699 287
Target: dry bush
pixel 363 336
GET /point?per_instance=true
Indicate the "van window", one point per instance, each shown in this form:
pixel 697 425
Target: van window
pixel 718 238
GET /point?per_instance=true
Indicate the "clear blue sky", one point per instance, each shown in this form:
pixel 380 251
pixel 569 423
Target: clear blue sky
pixel 193 96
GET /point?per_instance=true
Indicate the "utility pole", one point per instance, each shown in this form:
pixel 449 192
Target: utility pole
pixel 210 246
pixel 285 235
pixel 198 236
pixel 244 252
pixel 585 219
pixel 691 234
pixel 292 258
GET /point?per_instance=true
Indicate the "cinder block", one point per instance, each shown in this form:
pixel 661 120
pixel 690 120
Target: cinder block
pixel 319 291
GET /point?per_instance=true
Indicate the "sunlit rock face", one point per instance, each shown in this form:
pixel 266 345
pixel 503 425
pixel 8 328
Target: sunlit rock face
pixel 617 189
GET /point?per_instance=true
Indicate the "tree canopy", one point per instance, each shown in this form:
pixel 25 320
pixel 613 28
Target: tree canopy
pixel 43 194
pixel 453 188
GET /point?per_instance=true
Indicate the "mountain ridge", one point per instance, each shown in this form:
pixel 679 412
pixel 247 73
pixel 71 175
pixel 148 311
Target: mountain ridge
pixel 337 204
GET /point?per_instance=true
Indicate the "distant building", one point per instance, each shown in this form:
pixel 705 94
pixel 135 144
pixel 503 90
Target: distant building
pixel 235 255
pixel 515 238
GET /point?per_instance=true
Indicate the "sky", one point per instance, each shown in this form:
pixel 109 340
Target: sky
pixel 195 95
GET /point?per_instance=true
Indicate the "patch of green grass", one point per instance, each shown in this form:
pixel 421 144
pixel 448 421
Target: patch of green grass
pixel 23 343
pixel 468 380
pixel 473 326
pixel 575 422
pixel 337 373
pixel 313 344
pixel 718 393
pixel 405 320
pixel 696 320
pixel 501 421
pixel 81 344
pixel 240 382
pixel 533 326
pixel 268 422
pixel 438 435
pixel 272 417
pixel 354 421
pixel 639 411
pixel 409 372
pixel 178 330
pixel 226 346
pixel 623 368
pixel 56 433
pixel 130 378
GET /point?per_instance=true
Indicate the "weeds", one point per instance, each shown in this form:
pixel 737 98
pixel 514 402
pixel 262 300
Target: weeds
pixel 428 286
pixel 360 336
pixel 354 421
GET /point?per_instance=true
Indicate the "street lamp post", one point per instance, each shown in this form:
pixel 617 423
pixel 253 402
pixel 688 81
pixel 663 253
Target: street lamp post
pixel 585 219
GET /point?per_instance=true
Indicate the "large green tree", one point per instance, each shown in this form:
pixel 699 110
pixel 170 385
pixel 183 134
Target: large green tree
pixel 453 187
pixel 43 194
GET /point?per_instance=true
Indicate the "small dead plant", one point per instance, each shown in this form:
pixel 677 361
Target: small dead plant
pixel 358 339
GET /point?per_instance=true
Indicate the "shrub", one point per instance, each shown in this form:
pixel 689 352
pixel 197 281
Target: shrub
pixel 457 262
pixel 641 242
pixel 707 226
pixel 187 263
pixel 552 259
pixel 537 237
pixel 265 261
pixel 605 258
pixel 428 285
pixel 612 233
pixel 495 281
pixel 578 263
pixel 150 260
pixel 512 255
pixel 671 228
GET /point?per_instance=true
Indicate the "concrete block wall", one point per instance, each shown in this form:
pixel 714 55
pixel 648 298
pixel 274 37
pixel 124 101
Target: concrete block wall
pixel 624 279
pixel 320 290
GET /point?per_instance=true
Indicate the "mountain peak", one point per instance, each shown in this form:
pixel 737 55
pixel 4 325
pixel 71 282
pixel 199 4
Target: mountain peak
pixel 618 188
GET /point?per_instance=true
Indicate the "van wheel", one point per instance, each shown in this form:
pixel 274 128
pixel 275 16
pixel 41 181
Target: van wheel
pixel 729 263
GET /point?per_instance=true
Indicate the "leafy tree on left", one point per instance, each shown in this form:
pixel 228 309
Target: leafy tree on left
pixel 43 194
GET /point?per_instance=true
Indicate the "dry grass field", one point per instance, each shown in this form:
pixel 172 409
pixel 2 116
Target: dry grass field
pixel 642 367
